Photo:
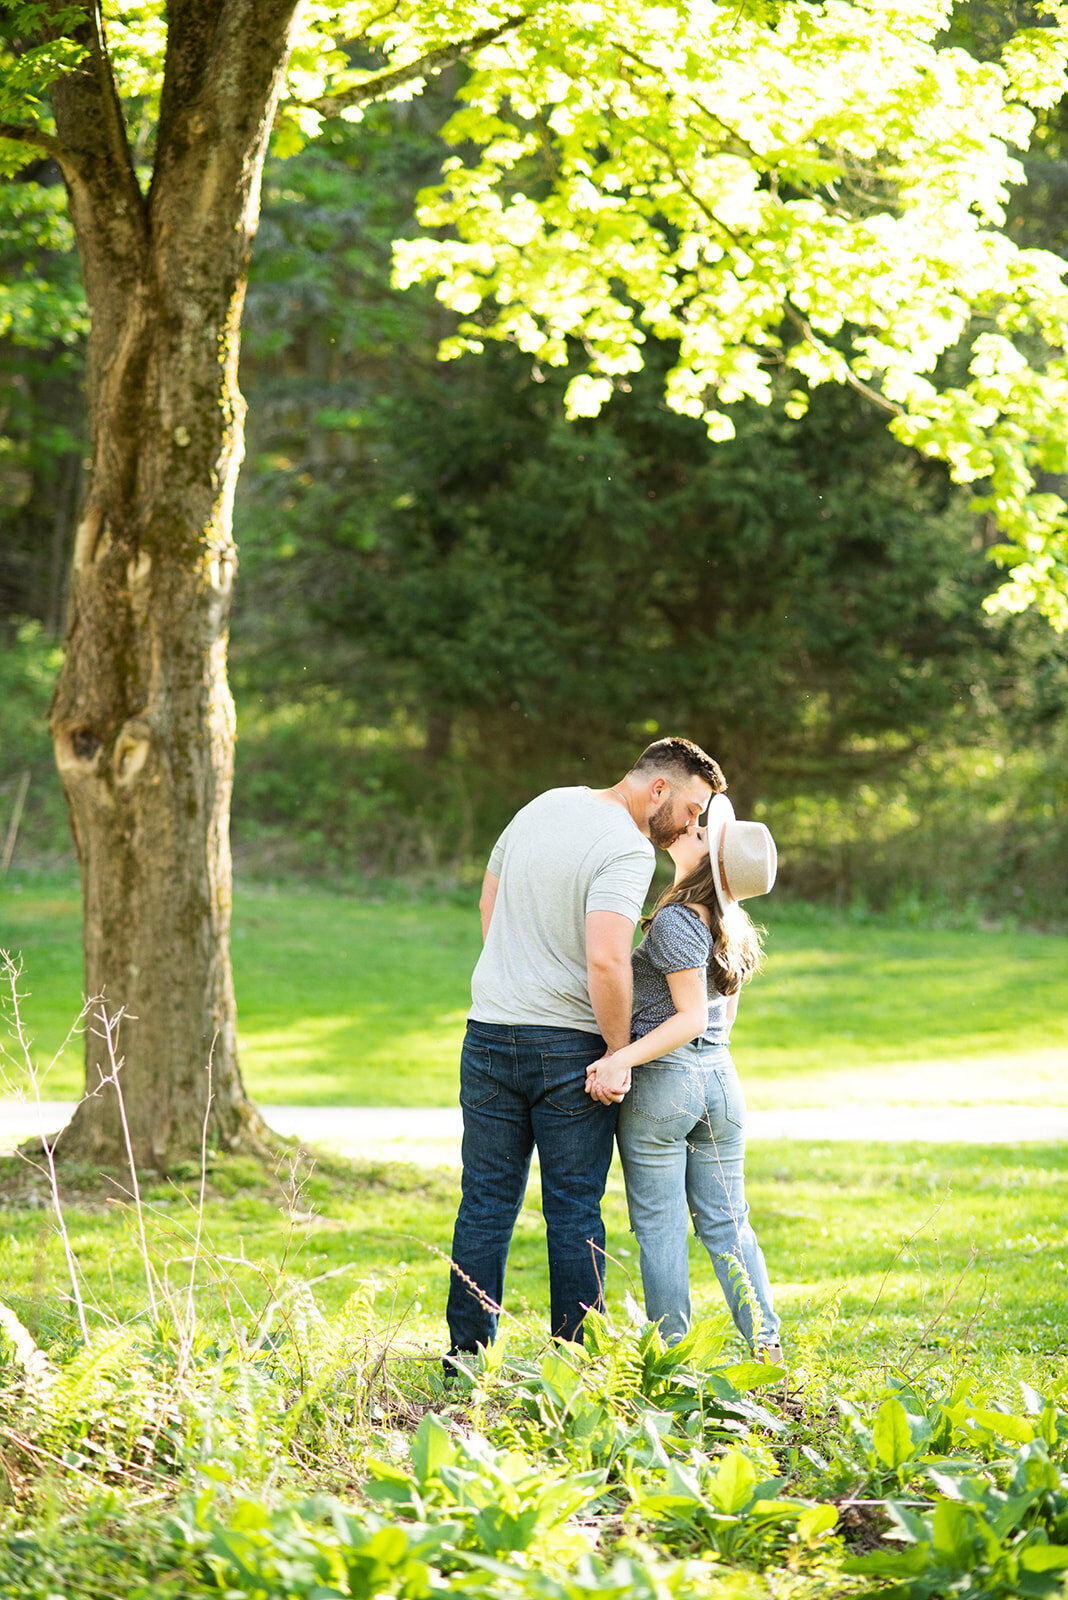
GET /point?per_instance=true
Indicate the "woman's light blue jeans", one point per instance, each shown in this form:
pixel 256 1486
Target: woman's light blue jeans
pixel 681 1136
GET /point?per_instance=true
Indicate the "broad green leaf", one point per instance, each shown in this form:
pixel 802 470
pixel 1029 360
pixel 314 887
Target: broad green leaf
pixel 389 1545
pixel 501 1531
pixel 1044 1557
pixel 1012 1512
pixel 952 1535
pixel 701 1345
pixel 914 1528
pixel 744 1375
pixel 730 1487
pixel 891 1436
pixel 1019 1429
pixel 891 1563
pixel 1033 1401
pixel 815 1521
pixel 559 1376
pixel 432 1448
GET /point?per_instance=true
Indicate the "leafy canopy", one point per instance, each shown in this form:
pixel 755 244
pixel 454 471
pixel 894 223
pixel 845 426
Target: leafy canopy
pixel 819 186
pixel 816 185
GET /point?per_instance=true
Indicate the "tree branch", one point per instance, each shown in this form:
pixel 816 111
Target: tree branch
pixel 758 159
pixel 38 138
pixel 849 377
pixel 687 187
pixel 225 66
pixel 651 67
pixel 111 104
pixel 433 61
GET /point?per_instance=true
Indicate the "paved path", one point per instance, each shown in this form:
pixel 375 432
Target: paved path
pixel 431 1136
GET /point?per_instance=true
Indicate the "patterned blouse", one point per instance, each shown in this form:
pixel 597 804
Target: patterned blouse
pixel 676 941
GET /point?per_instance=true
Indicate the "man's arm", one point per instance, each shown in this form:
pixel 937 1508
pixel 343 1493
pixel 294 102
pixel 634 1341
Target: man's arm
pixel 609 936
pixel 487 900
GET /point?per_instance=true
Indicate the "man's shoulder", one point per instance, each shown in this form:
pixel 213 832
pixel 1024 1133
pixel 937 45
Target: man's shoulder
pixel 572 794
pixel 575 803
pixel 588 817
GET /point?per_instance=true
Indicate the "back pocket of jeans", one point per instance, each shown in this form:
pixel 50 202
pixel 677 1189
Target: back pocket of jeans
pixel 477 1083
pixel 564 1073
pixel 733 1098
pixel 665 1094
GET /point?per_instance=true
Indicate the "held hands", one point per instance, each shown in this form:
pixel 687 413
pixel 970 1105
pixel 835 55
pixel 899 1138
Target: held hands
pixel 606 1081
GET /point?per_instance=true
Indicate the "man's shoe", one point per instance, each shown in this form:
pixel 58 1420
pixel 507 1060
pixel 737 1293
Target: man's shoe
pixel 457 1364
pixel 772 1354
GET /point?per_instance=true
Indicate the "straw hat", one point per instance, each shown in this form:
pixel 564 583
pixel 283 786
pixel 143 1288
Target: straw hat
pixel 742 853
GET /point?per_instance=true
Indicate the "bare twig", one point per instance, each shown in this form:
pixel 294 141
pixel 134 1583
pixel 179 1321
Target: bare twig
pixel 947 1302
pixel 12 972
pixel 108 1032
pixel 902 1247
pixel 16 818
pixel 189 1330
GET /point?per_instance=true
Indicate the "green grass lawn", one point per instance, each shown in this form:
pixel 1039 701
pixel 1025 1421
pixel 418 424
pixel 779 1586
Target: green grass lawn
pixel 897 1254
pixel 343 1001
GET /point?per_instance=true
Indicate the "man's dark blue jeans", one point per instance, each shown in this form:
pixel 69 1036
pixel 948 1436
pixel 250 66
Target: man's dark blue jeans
pixel 523 1087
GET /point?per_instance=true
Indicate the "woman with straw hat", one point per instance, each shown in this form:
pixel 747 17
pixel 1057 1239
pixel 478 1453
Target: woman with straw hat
pixel 681 1129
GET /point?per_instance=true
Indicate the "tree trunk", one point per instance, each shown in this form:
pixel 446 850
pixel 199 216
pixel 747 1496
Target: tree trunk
pixel 142 719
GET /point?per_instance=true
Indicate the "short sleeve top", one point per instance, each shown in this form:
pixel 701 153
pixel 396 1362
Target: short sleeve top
pixel 675 941
pixel 567 853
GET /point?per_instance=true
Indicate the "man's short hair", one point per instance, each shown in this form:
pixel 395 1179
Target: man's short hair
pixel 677 760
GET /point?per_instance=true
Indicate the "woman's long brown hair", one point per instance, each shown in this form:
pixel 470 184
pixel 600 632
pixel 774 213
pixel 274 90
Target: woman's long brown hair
pixel 737 951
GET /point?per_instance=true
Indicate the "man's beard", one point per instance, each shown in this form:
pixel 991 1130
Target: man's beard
pixel 663 829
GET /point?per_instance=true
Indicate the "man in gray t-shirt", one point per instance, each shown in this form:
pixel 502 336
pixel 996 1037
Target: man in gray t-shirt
pixel 551 992
pixel 565 855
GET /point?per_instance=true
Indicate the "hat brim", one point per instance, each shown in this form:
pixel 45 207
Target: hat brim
pixel 719 813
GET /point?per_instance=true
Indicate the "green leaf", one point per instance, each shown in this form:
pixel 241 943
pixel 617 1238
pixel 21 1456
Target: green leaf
pixel 1021 1430
pixel 701 1345
pixel 731 1486
pixel 815 1521
pixel 1033 1401
pixel 1044 1557
pixel 891 1563
pixel 891 1436
pixel 388 1483
pixel 559 1377
pixel 914 1528
pixel 745 1375
pixel 501 1531
pixel 953 1538
pixel 432 1449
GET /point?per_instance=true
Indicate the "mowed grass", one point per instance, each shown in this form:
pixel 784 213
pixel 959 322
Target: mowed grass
pixel 887 1257
pixel 343 1001
pixel 883 1257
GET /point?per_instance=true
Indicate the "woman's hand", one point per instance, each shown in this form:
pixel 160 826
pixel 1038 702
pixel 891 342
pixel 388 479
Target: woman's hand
pixel 608 1080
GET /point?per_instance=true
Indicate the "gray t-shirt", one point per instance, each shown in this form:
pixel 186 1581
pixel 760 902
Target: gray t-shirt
pixel 675 941
pixel 565 854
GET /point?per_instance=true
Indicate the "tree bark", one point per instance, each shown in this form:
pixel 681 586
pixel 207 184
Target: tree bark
pixel 142 719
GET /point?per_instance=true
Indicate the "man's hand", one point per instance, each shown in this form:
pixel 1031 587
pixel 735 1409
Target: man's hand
pixel 606 1082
